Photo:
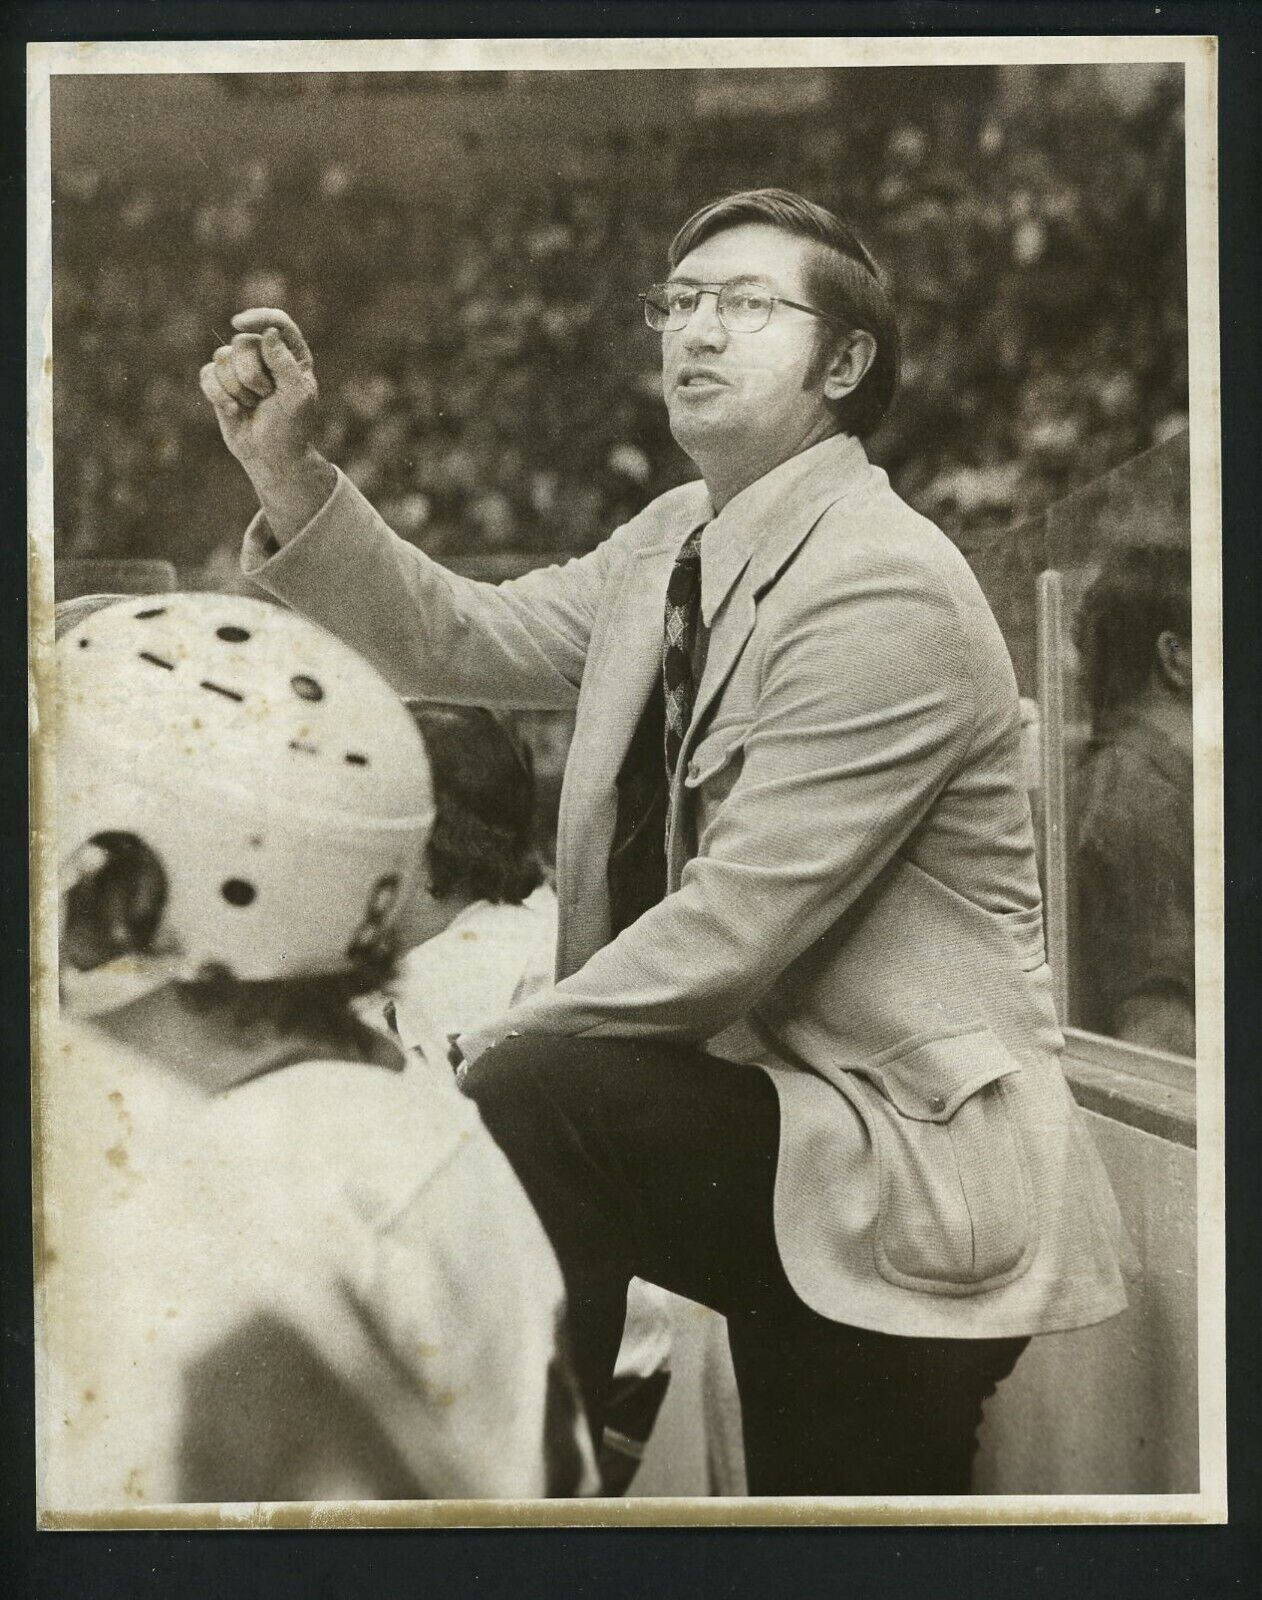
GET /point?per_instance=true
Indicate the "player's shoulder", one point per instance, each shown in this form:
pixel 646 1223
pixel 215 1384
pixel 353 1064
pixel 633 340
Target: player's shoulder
pixel 1117 784
pixel 87 1077
pixel 340 1122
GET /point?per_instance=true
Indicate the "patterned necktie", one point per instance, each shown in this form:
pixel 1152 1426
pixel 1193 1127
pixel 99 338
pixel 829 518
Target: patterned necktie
pixel 683 603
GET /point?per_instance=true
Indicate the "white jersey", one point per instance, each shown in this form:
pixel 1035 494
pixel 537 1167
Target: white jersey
pixel 319 1284
pixel 488 958
pixel 485 960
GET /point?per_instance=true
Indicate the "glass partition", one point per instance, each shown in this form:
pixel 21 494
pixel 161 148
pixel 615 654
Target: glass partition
pixel 74 579
pixel 1094 599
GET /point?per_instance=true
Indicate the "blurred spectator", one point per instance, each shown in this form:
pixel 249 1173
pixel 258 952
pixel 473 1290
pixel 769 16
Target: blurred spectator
pixel 486 379
pixel 1133 814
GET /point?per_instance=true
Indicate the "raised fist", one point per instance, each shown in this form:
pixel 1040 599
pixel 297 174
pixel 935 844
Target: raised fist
pixel 263 389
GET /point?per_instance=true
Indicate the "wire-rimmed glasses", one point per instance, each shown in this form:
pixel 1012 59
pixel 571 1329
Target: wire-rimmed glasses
pixel 742 307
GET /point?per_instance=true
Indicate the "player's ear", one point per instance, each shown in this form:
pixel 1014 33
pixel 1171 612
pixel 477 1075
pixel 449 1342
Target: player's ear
pixel 112 901
pixel 851 359
pixel 1174 661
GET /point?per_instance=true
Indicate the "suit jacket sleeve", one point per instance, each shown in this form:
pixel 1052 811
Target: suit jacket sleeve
pixel 866 708
pixel 429 632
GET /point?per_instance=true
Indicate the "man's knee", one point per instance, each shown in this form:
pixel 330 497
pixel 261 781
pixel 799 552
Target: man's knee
pixel 549 1089
pixel 511 1082
pixel 553 1138
pixel 492 1077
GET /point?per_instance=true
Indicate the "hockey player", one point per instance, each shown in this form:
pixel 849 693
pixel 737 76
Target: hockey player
pixel 269 1271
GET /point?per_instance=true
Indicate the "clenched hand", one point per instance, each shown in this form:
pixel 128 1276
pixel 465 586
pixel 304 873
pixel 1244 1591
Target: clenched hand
pixel 263 389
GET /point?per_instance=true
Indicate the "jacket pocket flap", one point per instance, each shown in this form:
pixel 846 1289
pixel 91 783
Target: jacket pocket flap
pixel 930 1079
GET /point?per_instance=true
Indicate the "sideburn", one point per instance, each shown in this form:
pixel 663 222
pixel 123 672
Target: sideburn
pixel 826 342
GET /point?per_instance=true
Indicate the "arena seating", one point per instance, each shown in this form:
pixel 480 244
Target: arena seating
pixel 486 377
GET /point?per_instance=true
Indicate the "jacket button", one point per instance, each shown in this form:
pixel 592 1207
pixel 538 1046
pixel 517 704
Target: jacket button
pixel 937 1103
pixel 693 770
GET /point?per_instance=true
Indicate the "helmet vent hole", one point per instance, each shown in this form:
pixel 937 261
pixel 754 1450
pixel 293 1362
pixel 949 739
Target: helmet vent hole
pixel 218 688
pixel 157 661
pixel 151 611
pixel 302 744
pixel 306 688
pixel 355 759
pixel 237 892
pixel 231 634
pixel 84 643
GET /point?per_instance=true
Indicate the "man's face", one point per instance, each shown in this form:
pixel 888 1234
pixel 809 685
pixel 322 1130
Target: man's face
pixel 727 391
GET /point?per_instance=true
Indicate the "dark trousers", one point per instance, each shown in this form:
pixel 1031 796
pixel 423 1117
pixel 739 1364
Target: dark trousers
pixel 658 1161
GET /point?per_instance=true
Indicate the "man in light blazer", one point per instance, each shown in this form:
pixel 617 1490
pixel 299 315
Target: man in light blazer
pixel 801 1063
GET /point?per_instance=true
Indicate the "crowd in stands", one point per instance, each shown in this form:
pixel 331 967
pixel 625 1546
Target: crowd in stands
pixel 486 376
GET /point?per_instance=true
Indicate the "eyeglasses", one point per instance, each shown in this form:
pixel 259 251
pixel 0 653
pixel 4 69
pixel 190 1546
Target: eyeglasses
pixel 742 307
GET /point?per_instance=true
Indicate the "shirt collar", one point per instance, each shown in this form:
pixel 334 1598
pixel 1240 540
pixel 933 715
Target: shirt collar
pixel 771 516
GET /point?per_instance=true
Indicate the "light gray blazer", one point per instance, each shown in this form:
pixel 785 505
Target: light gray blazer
pixel 853 899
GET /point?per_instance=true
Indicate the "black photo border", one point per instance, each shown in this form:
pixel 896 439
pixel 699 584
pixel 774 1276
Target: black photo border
pixel 1200 1563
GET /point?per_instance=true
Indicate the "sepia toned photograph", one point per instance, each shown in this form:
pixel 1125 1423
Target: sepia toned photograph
pixel 626 661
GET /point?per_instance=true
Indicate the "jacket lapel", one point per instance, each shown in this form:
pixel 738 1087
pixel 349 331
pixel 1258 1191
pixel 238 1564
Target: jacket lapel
pixel 630 661
pixel 743 551
pixel 732 627
pixel 616 686
pixel 748 545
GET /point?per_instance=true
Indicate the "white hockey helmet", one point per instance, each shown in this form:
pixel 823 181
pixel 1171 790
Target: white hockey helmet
pixel 277 777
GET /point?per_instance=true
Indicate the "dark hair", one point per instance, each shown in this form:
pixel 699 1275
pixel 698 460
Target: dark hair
pixel 842 278
pixel 484 789
pixel 314 1006
pixel 1143 590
